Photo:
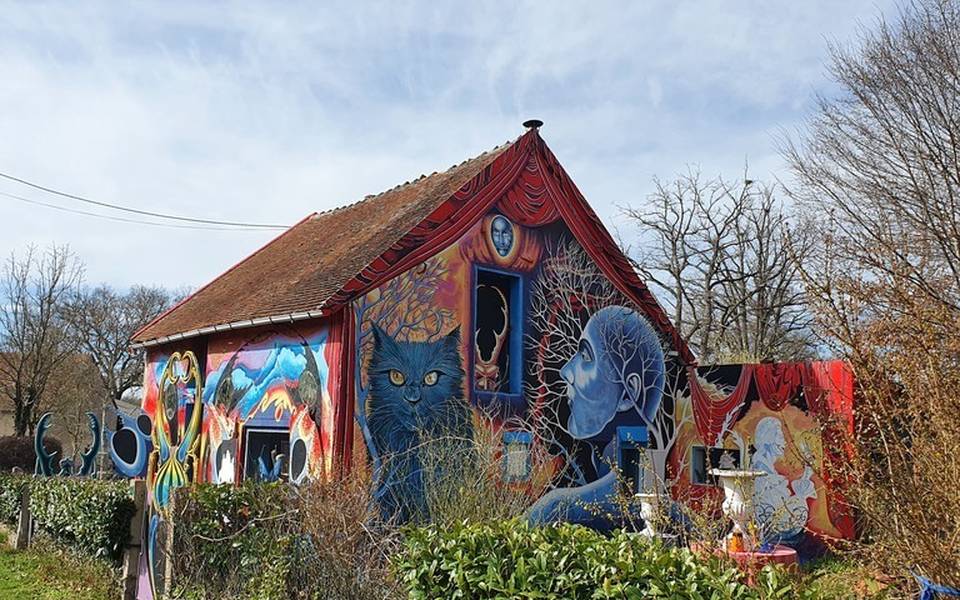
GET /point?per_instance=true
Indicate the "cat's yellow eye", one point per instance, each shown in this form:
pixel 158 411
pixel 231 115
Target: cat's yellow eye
pixel 396 377
pixel 430 378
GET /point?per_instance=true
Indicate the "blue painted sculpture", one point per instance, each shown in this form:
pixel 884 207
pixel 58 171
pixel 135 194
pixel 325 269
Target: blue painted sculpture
pixel 88 464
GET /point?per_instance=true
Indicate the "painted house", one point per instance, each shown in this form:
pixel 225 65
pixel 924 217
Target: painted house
pixel 488 298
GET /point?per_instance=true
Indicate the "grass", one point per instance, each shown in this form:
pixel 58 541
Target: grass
pixel 45 573
pixel 842 579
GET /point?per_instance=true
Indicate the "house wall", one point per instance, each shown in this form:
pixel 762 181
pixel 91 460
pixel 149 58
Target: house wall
pixel 790 421
pixel 561 419
pixel 279 381
pixel 577 425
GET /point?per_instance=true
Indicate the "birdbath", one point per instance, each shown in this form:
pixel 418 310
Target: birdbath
pixel 738 502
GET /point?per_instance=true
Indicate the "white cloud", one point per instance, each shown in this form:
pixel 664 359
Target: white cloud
pixel 266 112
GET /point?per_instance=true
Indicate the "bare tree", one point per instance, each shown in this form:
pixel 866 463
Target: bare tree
pixel 34 339
pixel 878 176
pixel 104 322
pixel 717 256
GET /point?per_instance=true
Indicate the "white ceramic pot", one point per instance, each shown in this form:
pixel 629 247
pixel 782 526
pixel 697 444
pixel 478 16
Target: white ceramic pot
pixel 738 501
pixel 648 512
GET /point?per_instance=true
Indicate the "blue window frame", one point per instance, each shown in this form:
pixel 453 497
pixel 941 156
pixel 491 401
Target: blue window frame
pixel 631 449
pixel 497 333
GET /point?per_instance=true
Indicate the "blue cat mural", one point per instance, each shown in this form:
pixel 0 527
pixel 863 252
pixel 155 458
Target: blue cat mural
pixel 416 396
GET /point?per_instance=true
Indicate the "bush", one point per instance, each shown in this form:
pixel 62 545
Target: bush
pixel 11 487
pixel 17 452
pixel 92 516
pixel 272 540
pixel 508 559
pixel 232 541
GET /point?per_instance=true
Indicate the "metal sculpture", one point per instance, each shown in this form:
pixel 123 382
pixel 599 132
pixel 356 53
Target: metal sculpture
pixel 88 459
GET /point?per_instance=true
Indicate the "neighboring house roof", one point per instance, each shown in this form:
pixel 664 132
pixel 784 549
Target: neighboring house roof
pixel 329 258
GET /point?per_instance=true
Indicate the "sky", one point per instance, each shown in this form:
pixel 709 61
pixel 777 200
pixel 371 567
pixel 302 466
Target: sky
pixel 266 112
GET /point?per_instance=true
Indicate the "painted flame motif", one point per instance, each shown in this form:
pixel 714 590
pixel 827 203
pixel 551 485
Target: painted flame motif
pixel 486 370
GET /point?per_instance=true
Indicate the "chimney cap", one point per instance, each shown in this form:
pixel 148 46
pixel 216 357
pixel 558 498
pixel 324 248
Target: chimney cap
pixel 533 123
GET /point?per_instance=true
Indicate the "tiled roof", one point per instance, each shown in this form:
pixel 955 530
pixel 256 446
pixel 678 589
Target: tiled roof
pixel 307 264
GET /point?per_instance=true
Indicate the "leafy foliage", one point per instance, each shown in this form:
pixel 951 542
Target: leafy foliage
pixel 508 559
pixel 270 541
pixel 227 535
pixel 17 452
pixel 92 516
pixel 11 486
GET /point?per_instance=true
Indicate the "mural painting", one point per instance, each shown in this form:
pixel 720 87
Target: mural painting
pixel 268 407
pixel 557 362
pixel 786 420
pixel 172 388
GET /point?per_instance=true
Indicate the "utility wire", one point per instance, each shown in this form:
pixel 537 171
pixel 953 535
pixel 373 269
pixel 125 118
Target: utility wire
pixel 122 219
pixel 138 211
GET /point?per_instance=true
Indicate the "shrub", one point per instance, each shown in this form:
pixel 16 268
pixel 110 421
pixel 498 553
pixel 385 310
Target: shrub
pixel 508 559
pixel 92 516
pixel 272 540
pixel 11 487
pixel 17 452
pixel 232 541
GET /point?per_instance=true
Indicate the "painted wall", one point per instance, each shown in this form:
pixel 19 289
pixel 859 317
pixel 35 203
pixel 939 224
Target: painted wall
pixel 789 420
pixel 596 382
pixel 514 333
pixel 270 380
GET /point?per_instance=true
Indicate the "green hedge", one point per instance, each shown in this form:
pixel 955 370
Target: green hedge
pixel 236 540
pixel 11 487
pixel 90 515
pixel 511 560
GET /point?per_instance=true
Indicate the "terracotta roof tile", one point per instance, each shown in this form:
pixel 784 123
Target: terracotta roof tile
pixel 303 267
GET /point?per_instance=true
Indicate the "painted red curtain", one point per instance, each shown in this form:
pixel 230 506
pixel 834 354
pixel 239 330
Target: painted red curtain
pixel 711 412
pixel 828 387
pixel 777 383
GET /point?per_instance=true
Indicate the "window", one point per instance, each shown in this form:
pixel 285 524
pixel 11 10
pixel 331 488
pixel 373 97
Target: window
pixel 702 459
pixel 498 342
pixel 516 455
pixel 631 452
pixel 266 446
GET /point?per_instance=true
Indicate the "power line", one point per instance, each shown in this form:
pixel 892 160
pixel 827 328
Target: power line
pixel 138 211
pixel 122 219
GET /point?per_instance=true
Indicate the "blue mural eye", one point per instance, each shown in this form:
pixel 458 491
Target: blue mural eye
pixel 585 352
pixel 431 378
pixel 396 377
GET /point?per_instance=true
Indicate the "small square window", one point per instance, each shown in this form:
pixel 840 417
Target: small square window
pixel 265 445
pixel 516 456
pixel 703 458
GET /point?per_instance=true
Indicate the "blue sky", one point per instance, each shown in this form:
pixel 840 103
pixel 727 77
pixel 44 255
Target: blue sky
pixel 267 112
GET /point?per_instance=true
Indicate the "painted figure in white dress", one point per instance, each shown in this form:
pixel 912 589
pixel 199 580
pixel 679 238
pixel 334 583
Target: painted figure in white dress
pixel 781 506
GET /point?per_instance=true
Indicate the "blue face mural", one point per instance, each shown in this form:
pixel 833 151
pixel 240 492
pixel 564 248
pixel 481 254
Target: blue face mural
pixel 416 394
pixel 501 234
pixel 618 367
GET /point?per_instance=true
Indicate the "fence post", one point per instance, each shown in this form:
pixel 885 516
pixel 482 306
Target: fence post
pixel 24 521
pixel 131 552
pixel 168 544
